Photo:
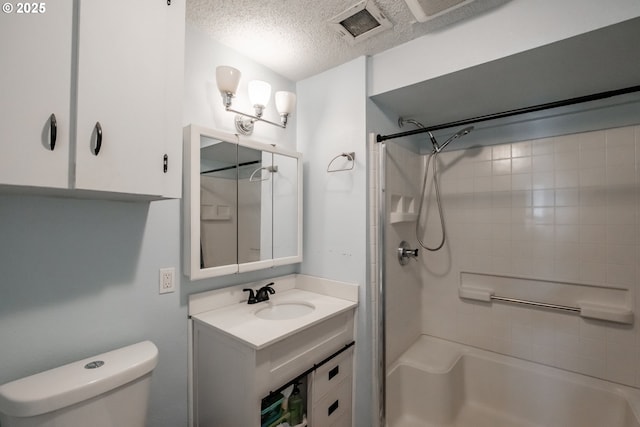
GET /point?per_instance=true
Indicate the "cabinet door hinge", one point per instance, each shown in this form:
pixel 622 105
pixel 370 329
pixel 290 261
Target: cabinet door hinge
pixel 165 163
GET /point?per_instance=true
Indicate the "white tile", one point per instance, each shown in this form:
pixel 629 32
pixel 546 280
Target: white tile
pixel 542 146
pixel 621 234
pixel 593 272
pixel 621 155
pixel 482 184
pixel 543 180
pixel 482 168
pixel 521 181
pixel 621 254
pixel 501 183
pixel 567 178
pixel 521 149
pixel 567 197
pixel 544 198
pixel 621 175
pixel 543 163
pixel 620 137
pixel 593 215
pixel 593 177
pixel 543 215
pixel 568 215
pixel 567 143
pixel 593 234
pixel 621 275
pixel 502 151
pixel 590 159
pixel 567 160
pixel 521 165
pixel 501 167
pixel 521 198
pixel 591 140
pixel 567 233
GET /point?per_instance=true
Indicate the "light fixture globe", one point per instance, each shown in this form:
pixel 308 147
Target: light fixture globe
pixel 285 102
pixel 227 80
pixel 259 94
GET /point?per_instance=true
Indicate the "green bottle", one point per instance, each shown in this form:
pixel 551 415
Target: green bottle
pixel 296 406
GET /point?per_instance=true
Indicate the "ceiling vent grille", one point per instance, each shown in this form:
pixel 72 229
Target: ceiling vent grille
pixel 360 22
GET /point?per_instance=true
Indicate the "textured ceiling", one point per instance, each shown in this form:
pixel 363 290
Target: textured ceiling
pixel 294 37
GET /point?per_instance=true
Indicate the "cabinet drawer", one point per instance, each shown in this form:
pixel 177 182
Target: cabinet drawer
pixel 332 373
pixel 334 406
pixel 280 362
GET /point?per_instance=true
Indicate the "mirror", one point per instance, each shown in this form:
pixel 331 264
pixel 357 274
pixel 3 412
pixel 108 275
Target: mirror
pixel 242 204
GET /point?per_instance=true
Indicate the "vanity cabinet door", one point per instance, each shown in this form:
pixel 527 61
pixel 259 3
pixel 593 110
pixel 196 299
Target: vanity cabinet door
pixel 36 51
pixel 125 80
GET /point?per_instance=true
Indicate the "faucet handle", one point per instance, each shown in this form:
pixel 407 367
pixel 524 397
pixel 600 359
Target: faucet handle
pixel 252 296
pixel 269 289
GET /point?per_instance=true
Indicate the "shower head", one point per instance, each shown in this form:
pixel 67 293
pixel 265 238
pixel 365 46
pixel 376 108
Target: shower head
pixel 453 137
pixel 402 121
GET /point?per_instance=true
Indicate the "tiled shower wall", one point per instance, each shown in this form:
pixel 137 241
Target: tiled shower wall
pixel 563 209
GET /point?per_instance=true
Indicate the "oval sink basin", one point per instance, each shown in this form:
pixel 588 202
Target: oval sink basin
pixel 284 310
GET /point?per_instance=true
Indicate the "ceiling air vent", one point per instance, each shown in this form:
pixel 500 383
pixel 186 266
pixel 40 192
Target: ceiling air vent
pixel 360 22
pixel 425 10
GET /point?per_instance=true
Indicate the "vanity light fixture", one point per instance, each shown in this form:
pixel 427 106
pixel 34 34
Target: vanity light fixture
pixel 228 78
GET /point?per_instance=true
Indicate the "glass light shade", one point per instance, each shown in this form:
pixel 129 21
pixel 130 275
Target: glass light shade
pixel 259 92
pixel 227 79
pixel 285 102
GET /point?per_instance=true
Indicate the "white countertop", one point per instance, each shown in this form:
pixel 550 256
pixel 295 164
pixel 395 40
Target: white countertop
pixel 240 322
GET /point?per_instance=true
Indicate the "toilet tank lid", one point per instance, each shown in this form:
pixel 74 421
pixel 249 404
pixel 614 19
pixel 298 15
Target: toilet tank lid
pixel 78 381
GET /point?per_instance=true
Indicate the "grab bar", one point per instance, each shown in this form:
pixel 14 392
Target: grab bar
pixel 589 310
pixel 536 303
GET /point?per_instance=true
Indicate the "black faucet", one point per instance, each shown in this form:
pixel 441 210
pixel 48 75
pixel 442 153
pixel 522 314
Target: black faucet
pixel 261 295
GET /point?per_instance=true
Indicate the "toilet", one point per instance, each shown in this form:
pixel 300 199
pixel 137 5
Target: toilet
pixel 108 390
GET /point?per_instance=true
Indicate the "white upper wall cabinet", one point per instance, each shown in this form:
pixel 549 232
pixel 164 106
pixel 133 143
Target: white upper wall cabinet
pixel 113 79
pixel 36 51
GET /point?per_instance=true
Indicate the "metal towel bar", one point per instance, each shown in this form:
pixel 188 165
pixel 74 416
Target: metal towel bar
pixel 537 304
pixel 612 313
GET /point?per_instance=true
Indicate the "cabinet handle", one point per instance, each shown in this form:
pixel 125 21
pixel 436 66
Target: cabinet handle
pixel 335 371
pixel 53 129
pixel 333 407
pixel 98 138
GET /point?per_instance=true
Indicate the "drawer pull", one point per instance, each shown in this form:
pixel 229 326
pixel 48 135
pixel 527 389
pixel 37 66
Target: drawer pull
pixel 335 371
pixel 53 130
pixel 98 146
pixel 333 407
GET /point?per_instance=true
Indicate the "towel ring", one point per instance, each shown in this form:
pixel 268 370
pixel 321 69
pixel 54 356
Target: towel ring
pixel 351 157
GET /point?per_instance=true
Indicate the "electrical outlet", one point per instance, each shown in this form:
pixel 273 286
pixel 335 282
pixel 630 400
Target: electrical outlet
pixel 167 280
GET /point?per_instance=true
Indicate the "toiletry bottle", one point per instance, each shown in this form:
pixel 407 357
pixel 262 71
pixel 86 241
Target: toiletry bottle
pixel 296 408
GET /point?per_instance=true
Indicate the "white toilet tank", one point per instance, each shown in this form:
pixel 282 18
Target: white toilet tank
pixel 108 390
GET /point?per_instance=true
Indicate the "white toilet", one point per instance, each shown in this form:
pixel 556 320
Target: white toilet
pixel 108 390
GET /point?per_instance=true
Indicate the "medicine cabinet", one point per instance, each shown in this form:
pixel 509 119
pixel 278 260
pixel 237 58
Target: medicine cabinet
pixel 242 204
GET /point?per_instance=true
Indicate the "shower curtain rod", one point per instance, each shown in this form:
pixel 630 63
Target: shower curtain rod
pixel 515 112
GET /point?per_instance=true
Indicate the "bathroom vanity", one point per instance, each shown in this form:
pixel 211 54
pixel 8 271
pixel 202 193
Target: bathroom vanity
pixel 243 353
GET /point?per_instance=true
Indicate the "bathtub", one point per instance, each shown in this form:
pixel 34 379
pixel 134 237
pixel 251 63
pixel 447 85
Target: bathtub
pixel 440 383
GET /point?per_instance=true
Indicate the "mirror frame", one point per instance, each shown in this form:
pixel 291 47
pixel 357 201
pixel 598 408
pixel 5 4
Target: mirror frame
pixel 191 199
